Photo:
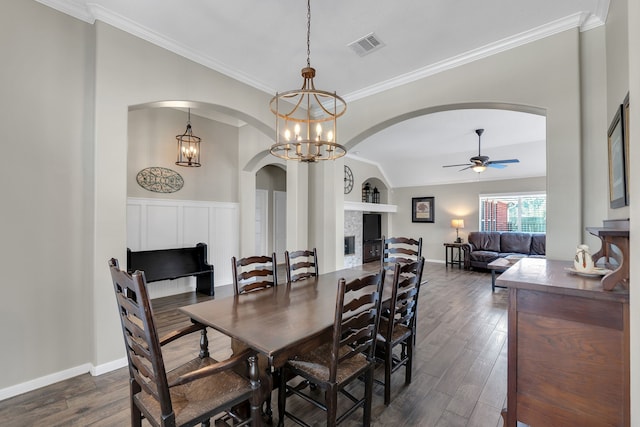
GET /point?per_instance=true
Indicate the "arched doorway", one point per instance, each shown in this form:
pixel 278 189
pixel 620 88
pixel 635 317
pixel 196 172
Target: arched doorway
pixel 271 210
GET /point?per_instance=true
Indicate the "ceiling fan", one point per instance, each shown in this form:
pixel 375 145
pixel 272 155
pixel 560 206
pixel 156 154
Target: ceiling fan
pixel 480 163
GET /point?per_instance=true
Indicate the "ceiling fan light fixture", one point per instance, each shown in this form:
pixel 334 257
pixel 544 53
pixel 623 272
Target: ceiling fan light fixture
pixel 479 168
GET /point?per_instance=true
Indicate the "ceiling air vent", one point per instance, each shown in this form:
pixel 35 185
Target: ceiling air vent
pixel 367 44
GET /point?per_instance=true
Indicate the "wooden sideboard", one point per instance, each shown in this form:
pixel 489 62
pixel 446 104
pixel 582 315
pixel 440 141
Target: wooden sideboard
pixel 568 348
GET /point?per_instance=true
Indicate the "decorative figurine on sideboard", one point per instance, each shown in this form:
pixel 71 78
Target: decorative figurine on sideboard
pixel 582 261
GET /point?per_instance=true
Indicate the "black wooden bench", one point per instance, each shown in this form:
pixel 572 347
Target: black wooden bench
pixel 170 264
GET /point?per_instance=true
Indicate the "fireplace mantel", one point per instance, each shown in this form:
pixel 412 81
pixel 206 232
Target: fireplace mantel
pixel 369 207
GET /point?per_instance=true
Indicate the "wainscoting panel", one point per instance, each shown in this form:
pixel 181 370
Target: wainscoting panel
pixel 195 221
pixel 163 224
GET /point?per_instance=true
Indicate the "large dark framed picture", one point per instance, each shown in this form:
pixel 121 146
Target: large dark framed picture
pixel 625 135
pixel 422 209
pixel 617 178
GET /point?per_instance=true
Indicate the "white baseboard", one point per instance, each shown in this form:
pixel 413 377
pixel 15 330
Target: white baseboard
pixel 108 367
pixel 37 383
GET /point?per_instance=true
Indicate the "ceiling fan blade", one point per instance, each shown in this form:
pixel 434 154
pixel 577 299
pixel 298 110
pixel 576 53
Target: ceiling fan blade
pixel 496 165
pixel 468 167
pixel 453 166
pixel 503 161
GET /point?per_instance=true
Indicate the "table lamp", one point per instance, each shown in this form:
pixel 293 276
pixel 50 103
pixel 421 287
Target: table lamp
pixel 457 224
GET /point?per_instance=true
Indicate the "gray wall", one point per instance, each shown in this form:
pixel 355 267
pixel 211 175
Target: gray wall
pixel 617 55
pixel 634 91
pixel 46 81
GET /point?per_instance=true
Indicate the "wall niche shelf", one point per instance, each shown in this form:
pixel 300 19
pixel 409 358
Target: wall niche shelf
pixel 369 207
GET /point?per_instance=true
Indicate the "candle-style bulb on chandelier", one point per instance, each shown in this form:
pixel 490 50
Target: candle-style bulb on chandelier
pixel 188 147
pixel 306 118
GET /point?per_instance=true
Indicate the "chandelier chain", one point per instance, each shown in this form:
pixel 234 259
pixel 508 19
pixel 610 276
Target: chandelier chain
pixel 308 33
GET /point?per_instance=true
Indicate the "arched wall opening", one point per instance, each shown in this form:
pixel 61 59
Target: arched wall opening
pixel 271 206
pixel 207 206
pixel 453 199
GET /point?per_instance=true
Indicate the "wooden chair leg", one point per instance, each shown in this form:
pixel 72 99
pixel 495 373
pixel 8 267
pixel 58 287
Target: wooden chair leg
pixel 136 415
pixel 331 401
pixel 408 366
pixel 388 366
pixel 368 397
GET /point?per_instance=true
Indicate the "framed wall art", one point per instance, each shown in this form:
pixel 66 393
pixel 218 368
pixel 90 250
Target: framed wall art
pixel 625 135
pixel 617 178
pixel 422 209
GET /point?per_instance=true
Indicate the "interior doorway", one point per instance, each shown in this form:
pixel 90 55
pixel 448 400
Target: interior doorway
pixel 271 207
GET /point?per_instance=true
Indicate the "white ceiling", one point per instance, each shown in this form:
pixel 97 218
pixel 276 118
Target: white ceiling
pixel 263 43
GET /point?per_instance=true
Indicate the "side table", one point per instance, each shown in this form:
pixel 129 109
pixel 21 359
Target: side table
pixel 455 254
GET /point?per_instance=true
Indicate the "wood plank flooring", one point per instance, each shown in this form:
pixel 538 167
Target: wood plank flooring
pixel 459 376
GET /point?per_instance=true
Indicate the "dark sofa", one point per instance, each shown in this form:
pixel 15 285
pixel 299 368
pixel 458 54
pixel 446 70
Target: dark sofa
pixel 486 246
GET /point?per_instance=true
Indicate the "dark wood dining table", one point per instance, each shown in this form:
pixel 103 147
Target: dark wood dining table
pixel 282 321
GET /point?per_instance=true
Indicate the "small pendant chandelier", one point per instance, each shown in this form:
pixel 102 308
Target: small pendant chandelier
pixel 306 118
pixel 188 147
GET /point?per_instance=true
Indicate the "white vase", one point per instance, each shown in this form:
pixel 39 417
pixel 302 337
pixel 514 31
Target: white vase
pixel 583 260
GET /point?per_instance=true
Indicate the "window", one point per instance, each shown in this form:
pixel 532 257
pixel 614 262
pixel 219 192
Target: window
pixel 514 212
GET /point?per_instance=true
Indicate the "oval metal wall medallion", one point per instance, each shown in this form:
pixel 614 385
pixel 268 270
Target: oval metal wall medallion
pixel 160 180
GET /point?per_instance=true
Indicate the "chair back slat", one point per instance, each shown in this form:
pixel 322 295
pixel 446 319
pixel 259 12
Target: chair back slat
pixel 248 271
pixel 301 264
pixel 146 364
pixel 400 249
pixel 356 319
pixel 406 305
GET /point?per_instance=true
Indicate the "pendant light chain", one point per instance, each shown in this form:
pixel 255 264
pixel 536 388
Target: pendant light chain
pixel 308 33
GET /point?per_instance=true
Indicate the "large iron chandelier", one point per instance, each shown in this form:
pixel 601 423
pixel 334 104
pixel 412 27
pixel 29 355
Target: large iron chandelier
pixel 188 147
pixel 306 118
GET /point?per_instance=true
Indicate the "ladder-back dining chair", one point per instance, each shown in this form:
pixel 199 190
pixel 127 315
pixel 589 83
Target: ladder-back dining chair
pixel 254 273
pixel 398 325
pixel 346 358
pixel 193 392
pixel 301 264
pixel 400 249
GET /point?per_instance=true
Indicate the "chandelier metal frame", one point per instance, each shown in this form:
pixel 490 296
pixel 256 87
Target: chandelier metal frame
pixel 306 118
pixel 188 147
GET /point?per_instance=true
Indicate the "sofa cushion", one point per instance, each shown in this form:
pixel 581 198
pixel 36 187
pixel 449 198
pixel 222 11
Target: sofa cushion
pixel 538 244
pixel 516 243
pixel 483 256
pixel 485 240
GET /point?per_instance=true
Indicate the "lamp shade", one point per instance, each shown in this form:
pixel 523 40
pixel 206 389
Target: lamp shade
pixel 457 223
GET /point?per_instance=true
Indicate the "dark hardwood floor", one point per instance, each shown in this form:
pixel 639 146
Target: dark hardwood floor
pixel 459 378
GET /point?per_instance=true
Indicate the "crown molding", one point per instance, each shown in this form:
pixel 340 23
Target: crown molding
pixel 75 8
pixel 580 20
pixel 90 12
pixel 93 12
pixel 131 27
